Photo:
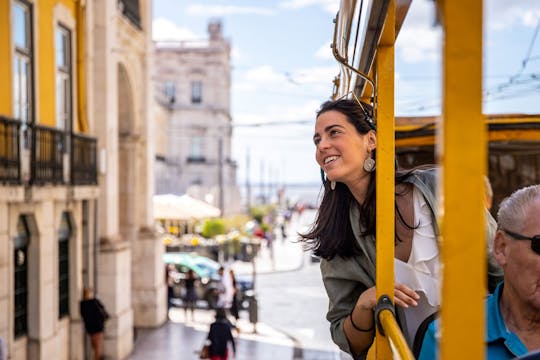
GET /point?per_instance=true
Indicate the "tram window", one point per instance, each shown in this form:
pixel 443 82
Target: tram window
pixel 20 269
pixel 64 234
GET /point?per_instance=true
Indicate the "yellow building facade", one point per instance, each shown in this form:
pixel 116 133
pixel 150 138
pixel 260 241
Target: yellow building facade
pixel 74 127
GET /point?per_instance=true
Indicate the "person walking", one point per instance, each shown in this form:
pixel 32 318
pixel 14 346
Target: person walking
pixel 234 302
pixel 190 298
pixel 3 349
pixel 94 316
pixel 219 336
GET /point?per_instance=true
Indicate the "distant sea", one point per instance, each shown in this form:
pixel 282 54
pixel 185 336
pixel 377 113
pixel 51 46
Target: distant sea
pixel 307 193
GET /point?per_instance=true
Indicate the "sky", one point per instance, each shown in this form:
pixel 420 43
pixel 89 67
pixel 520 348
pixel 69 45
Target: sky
pixel 282 70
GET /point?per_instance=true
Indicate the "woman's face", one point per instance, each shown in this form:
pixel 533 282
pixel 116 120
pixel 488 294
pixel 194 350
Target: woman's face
pixel 340 148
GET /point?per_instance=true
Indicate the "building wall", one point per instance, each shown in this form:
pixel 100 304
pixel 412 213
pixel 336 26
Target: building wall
pixel 181 64
pixel 101 254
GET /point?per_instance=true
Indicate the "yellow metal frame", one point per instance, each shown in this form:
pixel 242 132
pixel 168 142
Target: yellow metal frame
pixel 463 156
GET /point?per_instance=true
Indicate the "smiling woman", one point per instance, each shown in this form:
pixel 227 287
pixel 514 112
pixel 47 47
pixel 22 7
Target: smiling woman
pixel 343 234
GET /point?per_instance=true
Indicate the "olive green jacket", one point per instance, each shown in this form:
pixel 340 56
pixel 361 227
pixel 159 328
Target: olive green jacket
pixel 346 279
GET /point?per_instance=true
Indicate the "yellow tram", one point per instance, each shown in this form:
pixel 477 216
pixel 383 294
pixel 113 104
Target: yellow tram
pixel 506 148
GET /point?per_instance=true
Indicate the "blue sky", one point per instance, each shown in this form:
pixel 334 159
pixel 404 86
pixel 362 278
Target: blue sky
pixel 282 69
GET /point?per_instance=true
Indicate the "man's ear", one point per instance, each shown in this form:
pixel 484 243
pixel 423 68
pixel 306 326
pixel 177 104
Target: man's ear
pixel 500 244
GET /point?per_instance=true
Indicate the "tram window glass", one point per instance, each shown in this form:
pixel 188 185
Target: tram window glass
pixel 22 62
pixel 64 234
pixel 196 92
pixel 20 261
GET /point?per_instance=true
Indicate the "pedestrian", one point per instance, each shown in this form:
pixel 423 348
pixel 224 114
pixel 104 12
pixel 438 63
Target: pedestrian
pixel 343 234
pixel 94 316
pixel 225 289
pixel 234 302
pixel 220 336
pixel 170 272
pixel 3 349
pixel 190 297
pixel 513 310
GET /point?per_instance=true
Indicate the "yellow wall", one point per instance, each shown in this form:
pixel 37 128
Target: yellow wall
pixel 5 59
pixel 46 67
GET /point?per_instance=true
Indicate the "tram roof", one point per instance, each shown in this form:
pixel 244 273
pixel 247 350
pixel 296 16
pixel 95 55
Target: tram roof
pixel 419 131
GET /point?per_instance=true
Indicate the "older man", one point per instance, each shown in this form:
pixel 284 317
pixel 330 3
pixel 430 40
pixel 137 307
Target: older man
pixel 513 310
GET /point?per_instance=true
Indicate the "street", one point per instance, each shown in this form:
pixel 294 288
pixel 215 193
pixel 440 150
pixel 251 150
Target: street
pixel 292 306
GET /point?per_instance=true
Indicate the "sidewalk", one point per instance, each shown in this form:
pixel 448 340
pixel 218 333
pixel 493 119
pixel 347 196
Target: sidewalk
pixel 285 255
pixel 182 338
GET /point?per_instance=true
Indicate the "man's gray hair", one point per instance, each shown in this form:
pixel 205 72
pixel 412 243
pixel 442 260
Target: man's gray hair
pixel 513 209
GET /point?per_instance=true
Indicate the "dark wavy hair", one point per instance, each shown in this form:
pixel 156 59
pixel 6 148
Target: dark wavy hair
pixel 332 234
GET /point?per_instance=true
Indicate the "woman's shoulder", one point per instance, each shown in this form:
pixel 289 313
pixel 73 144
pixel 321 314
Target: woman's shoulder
pixel 342 268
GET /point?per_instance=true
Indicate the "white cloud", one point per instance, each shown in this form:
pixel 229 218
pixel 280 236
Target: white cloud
pixel 324 52
pixel 222 10
pixel 163 30
pixel 418 39
pixel 417 44
pixel 503 14
pixel 331 6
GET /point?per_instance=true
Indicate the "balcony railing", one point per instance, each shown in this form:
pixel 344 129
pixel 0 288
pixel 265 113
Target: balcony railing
pixel 45 157
pixel 10 159
pixel 131 10
pixel 84 160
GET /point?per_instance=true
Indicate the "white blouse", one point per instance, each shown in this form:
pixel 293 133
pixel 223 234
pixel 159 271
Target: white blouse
pixel 421 271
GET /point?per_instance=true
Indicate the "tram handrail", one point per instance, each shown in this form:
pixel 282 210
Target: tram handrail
pixel 342 35
pixel 385 319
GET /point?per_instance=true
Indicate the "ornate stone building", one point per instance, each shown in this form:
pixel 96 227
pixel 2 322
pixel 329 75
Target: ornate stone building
pixel 193 85
pixel 76 175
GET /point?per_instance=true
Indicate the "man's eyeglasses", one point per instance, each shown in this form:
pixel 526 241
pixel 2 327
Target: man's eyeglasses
pixel 535 240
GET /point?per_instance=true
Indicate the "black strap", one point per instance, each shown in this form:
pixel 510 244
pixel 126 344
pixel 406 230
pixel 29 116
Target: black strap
pixel 421 333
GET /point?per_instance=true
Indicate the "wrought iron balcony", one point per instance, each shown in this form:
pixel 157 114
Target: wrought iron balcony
pixel 47 155
pixel 10 159
pixel 36 154
pixel 83 160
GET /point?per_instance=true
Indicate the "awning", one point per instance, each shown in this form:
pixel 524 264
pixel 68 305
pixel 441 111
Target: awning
pixel 185 207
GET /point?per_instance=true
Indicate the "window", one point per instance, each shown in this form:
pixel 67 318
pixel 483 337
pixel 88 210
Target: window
pixel 63 79
pixel 196 92
pixel 170 91
pixel 20 261
pixel 64 233
pixel 196 151
pixel 22 62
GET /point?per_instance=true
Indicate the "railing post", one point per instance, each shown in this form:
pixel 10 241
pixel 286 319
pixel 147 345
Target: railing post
pixel 385 169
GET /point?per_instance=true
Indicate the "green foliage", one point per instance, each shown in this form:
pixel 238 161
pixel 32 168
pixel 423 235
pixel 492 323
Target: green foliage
pixel 213 227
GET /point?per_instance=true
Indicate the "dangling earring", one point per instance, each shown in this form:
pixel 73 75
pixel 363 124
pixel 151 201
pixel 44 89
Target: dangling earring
pixel 369 164
pixel 332 185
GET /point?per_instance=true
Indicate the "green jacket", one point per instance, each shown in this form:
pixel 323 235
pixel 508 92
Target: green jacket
pixel 346 279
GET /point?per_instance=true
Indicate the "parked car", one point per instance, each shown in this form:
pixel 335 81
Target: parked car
pixel 206 272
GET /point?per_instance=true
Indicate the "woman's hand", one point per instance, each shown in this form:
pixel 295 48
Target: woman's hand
pixel 404 296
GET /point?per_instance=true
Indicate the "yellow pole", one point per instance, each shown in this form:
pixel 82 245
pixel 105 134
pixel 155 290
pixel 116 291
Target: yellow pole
pixel 463 156
pixel 385 169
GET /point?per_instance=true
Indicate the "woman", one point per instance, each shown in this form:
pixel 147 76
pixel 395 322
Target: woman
pixel 190 298
pixel 94 316
pixel 234 304
pixel 343 234
pixel 219 336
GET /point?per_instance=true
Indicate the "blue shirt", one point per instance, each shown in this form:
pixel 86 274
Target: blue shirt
pixel 502 344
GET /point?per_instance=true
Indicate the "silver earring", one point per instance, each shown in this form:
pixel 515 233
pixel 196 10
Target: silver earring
pixel 332 185
pixel 369 164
